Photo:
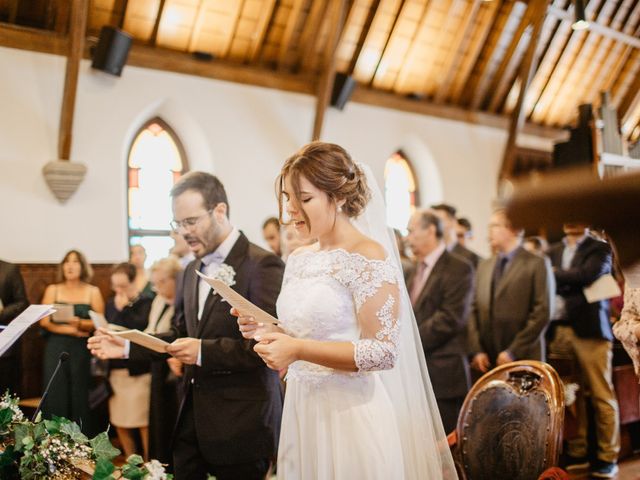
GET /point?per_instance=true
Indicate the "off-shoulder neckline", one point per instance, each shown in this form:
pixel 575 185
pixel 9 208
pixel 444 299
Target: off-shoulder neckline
pixel 339 250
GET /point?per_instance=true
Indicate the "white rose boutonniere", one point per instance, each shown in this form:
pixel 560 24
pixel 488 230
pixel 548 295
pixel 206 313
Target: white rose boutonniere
pixel 225 274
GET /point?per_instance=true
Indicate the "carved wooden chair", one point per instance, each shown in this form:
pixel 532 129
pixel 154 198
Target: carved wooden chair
pixel 510 425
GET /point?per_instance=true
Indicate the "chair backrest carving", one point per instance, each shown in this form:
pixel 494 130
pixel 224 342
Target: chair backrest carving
pixel 510 426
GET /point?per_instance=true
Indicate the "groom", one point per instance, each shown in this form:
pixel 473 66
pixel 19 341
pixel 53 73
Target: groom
pixel 229 420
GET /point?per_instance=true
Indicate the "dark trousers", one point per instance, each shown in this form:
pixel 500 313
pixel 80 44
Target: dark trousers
pixel 449 411
pixel 190 464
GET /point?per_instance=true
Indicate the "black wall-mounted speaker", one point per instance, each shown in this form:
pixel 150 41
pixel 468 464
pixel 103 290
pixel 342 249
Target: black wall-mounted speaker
pixel 112 50
pixel 343 86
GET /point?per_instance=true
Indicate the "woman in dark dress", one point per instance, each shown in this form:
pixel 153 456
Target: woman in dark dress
pixel 69 393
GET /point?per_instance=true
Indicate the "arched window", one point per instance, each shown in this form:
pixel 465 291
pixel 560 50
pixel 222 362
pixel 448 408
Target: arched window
pixel 156 161
pixel 400 191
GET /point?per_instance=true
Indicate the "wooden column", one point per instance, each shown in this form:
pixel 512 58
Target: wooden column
pixel 526 71
pixel 77 31
pixel 325 84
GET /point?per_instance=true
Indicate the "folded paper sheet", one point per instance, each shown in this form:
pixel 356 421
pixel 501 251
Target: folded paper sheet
pixel 603 288
pixel 236 300
pixel 143 339
pixel 21 323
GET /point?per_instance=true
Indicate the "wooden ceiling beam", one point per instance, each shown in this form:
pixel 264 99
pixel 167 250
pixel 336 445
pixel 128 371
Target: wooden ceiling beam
pixel 630 103
pixel 234 29
pixel 487 53
pixel 526 71
pixel 262 27
pixel 590 77
pixel 290 29
pixel 325 84
pixel 364 33
pixel 460 76
pixel 63 9
pixel 13 36
pixel 309 37
pixel 386 43
pixel 489 75
pixel 458 47
pixel 196 28
pixel 156 24
pixel 79 14
pixel 377 98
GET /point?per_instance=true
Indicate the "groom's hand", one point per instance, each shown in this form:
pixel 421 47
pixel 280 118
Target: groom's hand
pixel 185 349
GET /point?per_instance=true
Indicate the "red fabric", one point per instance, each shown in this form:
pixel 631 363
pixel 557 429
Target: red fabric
pixel 554 473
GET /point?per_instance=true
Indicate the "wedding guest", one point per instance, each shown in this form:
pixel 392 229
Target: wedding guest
pixel 464 231
pixel 69 393
pixel 164 401
pixel 536 245
pixel 408 267
pixel 181 250
pixel 137 257
pixel 271 235
pixel 130 381
pixel 229 419
pixel 13 300
pixel 447 214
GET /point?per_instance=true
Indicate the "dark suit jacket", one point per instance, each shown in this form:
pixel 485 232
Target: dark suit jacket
pixel 520 311
pixel 467 254
pixel 12 293
pixel 237 402
pixel 592 260
pixel 441 311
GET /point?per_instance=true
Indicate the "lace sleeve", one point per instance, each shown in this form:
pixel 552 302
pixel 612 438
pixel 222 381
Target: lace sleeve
pixel 376 297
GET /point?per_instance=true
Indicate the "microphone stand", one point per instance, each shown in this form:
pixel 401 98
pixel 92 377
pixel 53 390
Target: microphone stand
pixel 61 359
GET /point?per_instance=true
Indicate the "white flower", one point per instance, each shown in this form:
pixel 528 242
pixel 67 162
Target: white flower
pixel 226 274
pixel 155 469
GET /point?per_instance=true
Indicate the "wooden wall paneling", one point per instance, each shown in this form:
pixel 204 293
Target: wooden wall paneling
pixel 177 24
pixel 487 17
pixel 200 17
pixel 36 278
pixel 244 31
pixel 236 14
pixel 349 54
pixel 550 94
pixel 325 84
pixel 506 45
pixel 615 58
pixel 458 47
pixel 263 22
pixel 585 58
pixel 416 47
pixel 488 51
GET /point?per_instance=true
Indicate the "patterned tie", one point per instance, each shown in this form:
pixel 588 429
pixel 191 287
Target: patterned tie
pixel 418 282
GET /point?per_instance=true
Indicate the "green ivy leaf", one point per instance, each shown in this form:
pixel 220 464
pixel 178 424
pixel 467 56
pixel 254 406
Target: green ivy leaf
pixel 102 448
pixel 104 469
pixel 6 414
pixel 135 460
pixel 73 430
pixel 133 472
pixel 53 425
pixel 20 432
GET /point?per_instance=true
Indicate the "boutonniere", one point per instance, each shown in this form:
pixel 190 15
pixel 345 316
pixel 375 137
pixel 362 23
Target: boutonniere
pixel 226 274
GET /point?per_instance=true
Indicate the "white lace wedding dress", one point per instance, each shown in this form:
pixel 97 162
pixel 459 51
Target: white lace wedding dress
pixel 336 424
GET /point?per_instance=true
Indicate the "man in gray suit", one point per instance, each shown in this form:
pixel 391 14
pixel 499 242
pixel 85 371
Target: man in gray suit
pixel 441 290
pixel 513 299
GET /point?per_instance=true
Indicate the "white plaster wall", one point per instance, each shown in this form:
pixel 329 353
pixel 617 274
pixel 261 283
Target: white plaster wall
pixel 240 133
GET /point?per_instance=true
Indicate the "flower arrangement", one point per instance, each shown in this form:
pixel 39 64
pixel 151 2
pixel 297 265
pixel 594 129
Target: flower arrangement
pixel 226 274
pixel 57 449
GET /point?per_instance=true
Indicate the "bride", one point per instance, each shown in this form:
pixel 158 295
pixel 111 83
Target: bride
pixel 359 402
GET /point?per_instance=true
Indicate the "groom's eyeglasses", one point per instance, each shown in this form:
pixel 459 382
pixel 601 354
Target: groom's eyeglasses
pixel 187 223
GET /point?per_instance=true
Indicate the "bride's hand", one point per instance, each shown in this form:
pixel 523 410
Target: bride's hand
pixel 277 350
pixel 249 328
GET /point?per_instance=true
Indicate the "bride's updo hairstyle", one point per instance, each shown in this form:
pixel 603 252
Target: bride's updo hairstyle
pixel 329 168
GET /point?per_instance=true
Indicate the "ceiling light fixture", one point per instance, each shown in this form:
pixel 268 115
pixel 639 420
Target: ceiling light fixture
pixel 580 22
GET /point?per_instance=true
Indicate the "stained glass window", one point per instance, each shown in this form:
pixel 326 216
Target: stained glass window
pixel 156 161
pixel 400 191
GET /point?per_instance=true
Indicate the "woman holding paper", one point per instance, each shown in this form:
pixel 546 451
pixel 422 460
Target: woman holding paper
pixel 69 394
pixel 359 403
pixel 130 381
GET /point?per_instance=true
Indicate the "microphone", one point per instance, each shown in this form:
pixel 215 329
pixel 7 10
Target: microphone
pixel 61 359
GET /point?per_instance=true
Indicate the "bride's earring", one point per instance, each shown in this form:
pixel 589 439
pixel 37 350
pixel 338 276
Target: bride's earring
pixel 339 209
